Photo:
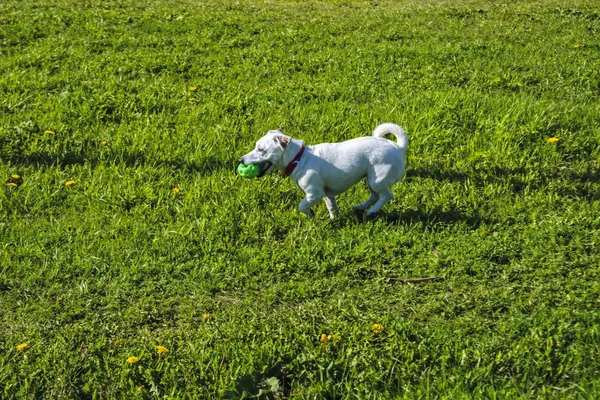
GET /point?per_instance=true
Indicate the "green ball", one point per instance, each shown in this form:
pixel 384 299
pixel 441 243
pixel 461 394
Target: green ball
pixel 249 171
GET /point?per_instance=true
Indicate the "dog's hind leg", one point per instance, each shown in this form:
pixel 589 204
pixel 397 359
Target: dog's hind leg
pixel 370 201
pixel 380 181
pixel 384 197
pixel 331 206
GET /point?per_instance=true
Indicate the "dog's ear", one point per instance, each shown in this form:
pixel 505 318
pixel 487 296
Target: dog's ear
pixel 282 141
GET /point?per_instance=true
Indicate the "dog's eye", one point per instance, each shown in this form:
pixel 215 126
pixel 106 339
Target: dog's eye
pixel 260 149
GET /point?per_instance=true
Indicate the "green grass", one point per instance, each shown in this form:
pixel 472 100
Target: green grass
pixel 116 264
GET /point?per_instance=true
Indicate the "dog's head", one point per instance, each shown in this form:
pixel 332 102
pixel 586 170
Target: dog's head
pixel 268 153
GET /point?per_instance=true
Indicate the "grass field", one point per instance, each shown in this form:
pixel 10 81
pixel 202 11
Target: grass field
pixel 123 225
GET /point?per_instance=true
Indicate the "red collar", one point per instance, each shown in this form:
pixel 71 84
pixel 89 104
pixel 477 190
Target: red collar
pixel 295 162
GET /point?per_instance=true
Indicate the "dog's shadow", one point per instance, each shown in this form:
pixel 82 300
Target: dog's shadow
pixel 516 179
pixel 519 179
pixel 435 217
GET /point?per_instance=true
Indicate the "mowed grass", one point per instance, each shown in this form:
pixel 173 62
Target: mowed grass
pixel 128 100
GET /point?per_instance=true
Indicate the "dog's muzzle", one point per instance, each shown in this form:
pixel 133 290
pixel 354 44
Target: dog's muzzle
pixel 263 168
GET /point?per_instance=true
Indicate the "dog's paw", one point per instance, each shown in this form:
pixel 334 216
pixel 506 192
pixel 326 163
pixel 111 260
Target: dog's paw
pixel 310 213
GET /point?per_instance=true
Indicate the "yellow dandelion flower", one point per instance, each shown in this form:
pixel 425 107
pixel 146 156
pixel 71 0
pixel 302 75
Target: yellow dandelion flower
pixel 11 185
pixel 324 339
pixel 206 316
pixel 139 388
pixel 552 140
pixel 481 25
pixel 377 328
pixel 103 143
pixel 69 183
pixel 576 46
pixel 191 99
pixel 192 88
pixel 175 190
pixel 15 176
pixel 162 349
pixel 132 360
pixel 47 132
pixel 22 346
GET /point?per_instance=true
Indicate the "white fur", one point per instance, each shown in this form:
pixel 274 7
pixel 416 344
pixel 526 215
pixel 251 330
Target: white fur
pixel 329 169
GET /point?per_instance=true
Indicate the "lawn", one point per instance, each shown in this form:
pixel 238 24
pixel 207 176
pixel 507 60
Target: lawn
pixel 124 226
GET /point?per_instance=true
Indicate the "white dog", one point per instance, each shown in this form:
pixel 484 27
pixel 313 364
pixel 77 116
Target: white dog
pixel 325 170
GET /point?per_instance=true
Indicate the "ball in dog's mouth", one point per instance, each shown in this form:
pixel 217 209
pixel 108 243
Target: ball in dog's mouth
pixel 248 171
pixel 263 167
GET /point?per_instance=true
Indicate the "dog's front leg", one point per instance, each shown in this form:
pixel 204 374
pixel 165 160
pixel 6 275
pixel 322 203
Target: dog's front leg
pixel 310 200
pixel 331 206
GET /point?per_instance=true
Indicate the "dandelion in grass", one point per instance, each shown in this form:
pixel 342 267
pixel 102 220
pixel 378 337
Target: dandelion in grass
pixel 47 132
pixel 377 328
pixel 481 25
pixel 324 339
pixel 552 140
pixel 192 99
pixel 11 185
pixel 206 316
pixel 22 346
pixel 103 143
pixel 175 190
pixel 15 176
pixel 69 183
pixel 162 349
pixel 132 360
pixel 576 46
pixel 192 88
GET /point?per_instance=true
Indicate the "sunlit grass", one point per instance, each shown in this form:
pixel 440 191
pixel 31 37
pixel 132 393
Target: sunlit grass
pixel 134 261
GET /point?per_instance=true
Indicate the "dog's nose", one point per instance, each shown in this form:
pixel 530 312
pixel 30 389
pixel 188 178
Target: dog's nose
pixel 241 160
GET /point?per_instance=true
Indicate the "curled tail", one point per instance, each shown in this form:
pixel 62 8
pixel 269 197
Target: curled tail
pixel 394 129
